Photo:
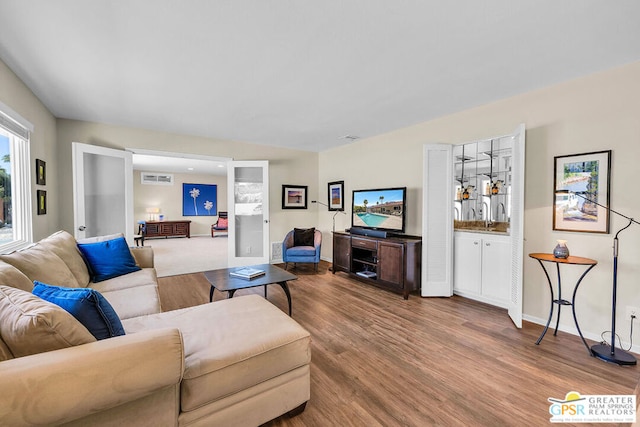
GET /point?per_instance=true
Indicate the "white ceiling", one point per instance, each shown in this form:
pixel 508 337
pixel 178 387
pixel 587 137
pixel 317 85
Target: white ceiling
pixel 302 74
pixel 163 162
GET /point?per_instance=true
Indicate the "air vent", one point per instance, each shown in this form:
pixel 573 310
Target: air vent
pixel 276 251
pixel 156 178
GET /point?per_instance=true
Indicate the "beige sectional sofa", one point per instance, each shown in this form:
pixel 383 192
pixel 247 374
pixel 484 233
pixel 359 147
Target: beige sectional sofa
pixel 239 361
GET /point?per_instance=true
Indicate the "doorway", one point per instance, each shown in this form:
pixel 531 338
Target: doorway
pixel 159 181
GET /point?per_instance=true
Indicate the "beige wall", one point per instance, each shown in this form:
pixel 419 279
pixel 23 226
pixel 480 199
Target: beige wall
pixel 594 113
pixel 285 166
pixel 168 198
pixel 19 98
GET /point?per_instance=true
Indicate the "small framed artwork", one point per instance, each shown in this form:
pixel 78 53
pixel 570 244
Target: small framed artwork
pixel 581 192
pixel 336 196
pixel 41 172
pixel 42 202
pixel 199 199
pixel 294 197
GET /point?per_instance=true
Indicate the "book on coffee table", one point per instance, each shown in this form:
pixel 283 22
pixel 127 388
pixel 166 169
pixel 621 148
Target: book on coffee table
pixel 247 273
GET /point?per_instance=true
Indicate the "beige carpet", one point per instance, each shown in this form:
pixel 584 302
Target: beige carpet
pixel 179 255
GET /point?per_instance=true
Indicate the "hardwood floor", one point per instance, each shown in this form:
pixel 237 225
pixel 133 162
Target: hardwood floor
pixel 378 360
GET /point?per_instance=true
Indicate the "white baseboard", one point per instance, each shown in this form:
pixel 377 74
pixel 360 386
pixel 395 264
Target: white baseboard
pixel 571 329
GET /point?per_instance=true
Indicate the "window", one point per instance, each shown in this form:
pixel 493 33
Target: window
pixel 15 182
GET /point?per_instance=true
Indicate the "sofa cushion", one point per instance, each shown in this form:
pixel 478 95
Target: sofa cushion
pixel 301 251
pixel 142 277
pixel 30 325
pixel 5 353
pixel 39 263
pixel 64 245
pixel 11 276
pixel 303 236
pixel 231 345
pixel 131 295
pixel 108 259
pixel 134 302
pixel 86 305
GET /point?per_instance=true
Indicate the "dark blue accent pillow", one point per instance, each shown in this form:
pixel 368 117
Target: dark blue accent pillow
pixel 108 259
pixel 88 306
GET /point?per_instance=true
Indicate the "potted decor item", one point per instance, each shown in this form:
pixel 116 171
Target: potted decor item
pixel 561 250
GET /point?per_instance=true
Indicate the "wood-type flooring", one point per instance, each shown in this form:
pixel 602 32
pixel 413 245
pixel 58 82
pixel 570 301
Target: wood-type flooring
pixel 378 360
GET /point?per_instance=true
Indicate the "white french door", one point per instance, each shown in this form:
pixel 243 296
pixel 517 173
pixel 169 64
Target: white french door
pixel 517 226
pixel 102 191
pixel 437 221
pixel 248 205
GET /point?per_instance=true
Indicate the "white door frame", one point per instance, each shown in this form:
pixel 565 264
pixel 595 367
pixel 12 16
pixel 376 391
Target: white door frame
pixel 79 220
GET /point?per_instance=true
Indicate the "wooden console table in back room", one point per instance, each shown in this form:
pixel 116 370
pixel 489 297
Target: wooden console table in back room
pixel 168 229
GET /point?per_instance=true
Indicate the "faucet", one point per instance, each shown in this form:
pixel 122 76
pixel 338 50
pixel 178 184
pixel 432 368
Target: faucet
pixel 474 213
pixel 504 212
pixel 457 212
pixel 486 214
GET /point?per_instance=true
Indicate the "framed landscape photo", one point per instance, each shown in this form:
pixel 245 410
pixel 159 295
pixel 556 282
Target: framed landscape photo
pixel 581 184
pixel 41 172
pixel 336 196
pixel 294 197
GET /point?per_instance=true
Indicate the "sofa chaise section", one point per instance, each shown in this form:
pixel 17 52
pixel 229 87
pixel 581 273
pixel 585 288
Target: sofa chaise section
pixel 261 372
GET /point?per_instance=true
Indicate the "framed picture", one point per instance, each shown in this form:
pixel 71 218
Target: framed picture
pixel 336 196
pixel 294 197
pixel 199 199
pixel 41 172
pixel 42 202
pixel 581 184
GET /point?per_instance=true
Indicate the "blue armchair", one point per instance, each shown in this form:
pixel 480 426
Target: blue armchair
pixel 302 245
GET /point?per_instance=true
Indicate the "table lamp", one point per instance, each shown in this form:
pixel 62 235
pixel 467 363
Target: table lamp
pixel 609 353
pixel 152 214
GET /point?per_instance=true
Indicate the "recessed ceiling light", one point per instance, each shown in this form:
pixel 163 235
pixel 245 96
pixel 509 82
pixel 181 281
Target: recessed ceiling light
pixel 189 169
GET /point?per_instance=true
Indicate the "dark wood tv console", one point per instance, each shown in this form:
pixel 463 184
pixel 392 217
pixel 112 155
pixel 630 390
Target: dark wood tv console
pixel 391 263
pixel 168 228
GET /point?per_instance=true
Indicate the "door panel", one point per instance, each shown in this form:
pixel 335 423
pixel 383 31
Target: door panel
pixel 517 226
pixel 103 191
pixel 248 204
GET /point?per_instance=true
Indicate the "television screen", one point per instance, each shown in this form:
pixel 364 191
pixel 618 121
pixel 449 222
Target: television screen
pixel 380 209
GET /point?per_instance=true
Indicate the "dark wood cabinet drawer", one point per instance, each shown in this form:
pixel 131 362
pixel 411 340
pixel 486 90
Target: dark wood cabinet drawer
pixel 357 242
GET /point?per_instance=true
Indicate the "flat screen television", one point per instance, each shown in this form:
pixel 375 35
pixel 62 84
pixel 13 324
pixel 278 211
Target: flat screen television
pixel 379 209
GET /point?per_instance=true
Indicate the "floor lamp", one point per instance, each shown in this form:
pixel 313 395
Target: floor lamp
pixel 609 353
pixel 334 215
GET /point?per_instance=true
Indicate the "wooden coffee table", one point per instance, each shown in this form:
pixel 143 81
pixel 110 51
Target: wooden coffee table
pixel 222 281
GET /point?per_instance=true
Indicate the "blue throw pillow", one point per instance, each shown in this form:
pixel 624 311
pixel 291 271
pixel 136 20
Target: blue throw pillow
pixel 108 259
pixel 88 306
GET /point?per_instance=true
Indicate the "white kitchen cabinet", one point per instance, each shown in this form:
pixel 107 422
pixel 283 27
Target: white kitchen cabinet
pixel 467 271
pixel 483 267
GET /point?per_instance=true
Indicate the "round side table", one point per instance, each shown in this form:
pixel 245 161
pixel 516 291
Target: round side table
pixel 575 260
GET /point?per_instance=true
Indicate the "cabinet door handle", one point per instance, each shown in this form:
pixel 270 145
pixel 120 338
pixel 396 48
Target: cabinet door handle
pixel 475 243
pixel 487 244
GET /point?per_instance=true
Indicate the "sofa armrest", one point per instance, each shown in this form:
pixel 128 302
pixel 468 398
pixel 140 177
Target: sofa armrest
pixel 143 256
pixel 63 385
